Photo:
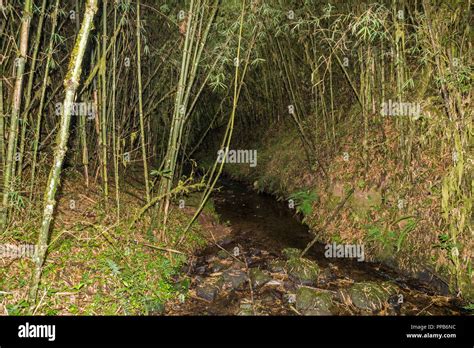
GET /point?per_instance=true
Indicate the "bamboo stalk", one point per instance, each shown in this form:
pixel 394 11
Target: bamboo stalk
pixel 54 21
pixel 70 84
pixel 114 131
pixel 15 112
pixel 103 104
pixel 178 116
pixel 140 107
pixel 25 116
pixel 228 134
pixel 2 128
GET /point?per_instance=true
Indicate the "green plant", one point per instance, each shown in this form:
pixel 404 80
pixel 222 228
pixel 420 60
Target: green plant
pixel 410 226
pixel 469 307
pixel 18 308
pixel 445 242
pixel 389 239
pixel 304 201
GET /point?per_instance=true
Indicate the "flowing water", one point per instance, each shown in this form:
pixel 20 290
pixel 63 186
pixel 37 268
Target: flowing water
pixel 261 228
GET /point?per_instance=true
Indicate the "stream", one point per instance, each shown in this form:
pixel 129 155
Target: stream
pixel 247 273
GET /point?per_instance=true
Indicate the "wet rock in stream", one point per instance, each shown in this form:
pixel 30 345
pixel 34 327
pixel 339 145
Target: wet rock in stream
pixel 217 266
pixel 222 254
pixel 371 296
pixel 235 279
pixel 258 277
pixel 313 301
pixel 245 309
pixel 276 266
pixel 285 287
pixel 207 292
pixel 300 270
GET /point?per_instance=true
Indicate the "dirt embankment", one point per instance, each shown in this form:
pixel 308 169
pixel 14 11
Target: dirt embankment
pixel 399 224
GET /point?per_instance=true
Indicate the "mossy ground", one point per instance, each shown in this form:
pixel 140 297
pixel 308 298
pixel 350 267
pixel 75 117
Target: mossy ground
pixel 96 265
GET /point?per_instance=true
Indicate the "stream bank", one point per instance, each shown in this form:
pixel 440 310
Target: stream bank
pixel 397 218
pixel 255 270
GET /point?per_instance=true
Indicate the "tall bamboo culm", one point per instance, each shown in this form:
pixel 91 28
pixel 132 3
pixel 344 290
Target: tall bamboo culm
pixel 70 85
pixel 8 182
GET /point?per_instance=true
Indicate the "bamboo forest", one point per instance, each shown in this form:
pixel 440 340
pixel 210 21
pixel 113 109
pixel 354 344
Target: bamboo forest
pixel 236 158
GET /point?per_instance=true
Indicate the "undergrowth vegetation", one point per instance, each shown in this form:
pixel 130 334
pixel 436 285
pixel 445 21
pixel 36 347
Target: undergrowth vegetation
pixel 100 267
pixel 113 113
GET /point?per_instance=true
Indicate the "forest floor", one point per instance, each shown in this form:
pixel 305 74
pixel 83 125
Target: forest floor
pixel 239 259
pixel 96 264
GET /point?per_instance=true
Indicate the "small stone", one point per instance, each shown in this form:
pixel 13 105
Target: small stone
pixel 207 292
pixel 200 270
pixel 222 254
pixel 258 277
pixel 276 266
pixel 245 309
pixel 217 266
pixel 255 252
pixel 235 279
pixel 251 261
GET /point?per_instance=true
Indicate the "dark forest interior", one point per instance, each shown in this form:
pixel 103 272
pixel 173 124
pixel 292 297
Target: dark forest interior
pixel 236 157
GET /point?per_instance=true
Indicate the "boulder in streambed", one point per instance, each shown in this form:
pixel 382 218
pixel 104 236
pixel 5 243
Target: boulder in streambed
pixel 313 301
pixel 291 253
pixel 258 277
pixel 276 266
pixel 371 296
pixel 223 254
pixel 234 279
pixel 207 292
pixel 200 270
pixel 245 309
pixel 218 265
pixel 300 270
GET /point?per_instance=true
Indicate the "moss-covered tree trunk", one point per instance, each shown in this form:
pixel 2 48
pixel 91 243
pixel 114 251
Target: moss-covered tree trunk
pixel 70 83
